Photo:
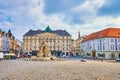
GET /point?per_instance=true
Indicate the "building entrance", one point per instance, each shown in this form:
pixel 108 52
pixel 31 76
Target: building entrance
pixel 93 53
pixel 112 55
pixel 119 55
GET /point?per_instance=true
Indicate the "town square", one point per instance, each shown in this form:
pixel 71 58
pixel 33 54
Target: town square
pixel 59 40
pixel 59 70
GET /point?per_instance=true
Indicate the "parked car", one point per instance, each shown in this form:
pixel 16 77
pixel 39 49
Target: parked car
pixel 82 60
pixel 63 56
pixel 118 59
pixel 26 54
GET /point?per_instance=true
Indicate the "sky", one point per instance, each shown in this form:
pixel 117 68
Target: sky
pixel 86 16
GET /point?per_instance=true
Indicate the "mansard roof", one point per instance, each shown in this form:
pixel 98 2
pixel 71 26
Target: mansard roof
pixel 59 32
pixel 109 32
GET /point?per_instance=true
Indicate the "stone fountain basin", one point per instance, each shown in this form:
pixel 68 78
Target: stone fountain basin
pixel 35 58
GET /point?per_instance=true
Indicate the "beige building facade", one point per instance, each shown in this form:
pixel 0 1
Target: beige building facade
pixel 77 43
pixel 73 49
pixel 57 40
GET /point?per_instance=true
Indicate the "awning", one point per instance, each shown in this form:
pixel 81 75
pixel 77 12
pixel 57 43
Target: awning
pixel 9 54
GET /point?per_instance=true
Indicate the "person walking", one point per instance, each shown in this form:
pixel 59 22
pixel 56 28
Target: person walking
pixel 1 56
pixel 29 56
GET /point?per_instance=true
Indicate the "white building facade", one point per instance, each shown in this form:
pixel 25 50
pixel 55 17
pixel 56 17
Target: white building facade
pixel 5 46
pixel 0 42
pixel 105 46
pixel 4 42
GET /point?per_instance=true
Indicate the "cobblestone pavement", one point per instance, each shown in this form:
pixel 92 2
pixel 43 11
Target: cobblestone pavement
pixel 59 70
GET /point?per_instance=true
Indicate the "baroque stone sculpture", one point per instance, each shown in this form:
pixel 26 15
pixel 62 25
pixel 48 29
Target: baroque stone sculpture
pixel 44 53
pixel 44 50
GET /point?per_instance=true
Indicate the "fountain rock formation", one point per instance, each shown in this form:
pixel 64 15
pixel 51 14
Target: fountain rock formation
pixel 44 51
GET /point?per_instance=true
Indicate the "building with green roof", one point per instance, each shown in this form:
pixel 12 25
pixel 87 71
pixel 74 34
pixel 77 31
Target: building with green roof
pixel 57 40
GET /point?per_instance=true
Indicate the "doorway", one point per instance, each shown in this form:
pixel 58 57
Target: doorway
pixel 112 55
pixel 119 55
pixel 93 53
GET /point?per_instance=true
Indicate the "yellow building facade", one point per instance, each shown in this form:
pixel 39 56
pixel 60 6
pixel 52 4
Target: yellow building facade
pixel 57 40
pixel 76 44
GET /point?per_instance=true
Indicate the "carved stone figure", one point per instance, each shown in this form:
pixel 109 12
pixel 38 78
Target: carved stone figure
pixel 44 50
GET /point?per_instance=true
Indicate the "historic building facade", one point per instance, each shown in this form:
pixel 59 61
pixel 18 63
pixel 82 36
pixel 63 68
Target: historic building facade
pixel 78 42
pixel 73 47
pixel 8 42
pixel 57 40
pixel 102 44
pixel 4 41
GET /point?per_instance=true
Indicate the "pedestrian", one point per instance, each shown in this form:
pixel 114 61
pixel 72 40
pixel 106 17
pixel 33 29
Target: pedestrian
pixel 18 54
pixel 29 55
pixel 1 56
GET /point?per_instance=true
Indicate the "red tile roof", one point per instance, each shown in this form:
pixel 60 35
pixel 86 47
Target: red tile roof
pixel 109 32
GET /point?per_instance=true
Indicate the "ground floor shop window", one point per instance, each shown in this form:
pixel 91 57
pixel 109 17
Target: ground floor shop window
pixel 88 54
pixel 101 54
pixel 119 55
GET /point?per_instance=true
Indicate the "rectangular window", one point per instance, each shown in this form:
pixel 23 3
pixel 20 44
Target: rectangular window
pixel 35 47
pixel 90 47
pixel 103 47
pixel 67 49
pixel 112 47
pixel 118 40
pixel 88 54
pixel 119 47
pixel 98 48
pixel 101 55
pixel 66 44
pixel 67 41
pixel 111 40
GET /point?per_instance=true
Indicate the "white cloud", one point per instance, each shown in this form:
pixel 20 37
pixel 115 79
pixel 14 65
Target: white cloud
pixel 31 16
pixel 99 23
pixel 88 10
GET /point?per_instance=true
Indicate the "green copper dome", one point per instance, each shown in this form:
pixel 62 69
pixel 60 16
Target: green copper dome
pixel 48 29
